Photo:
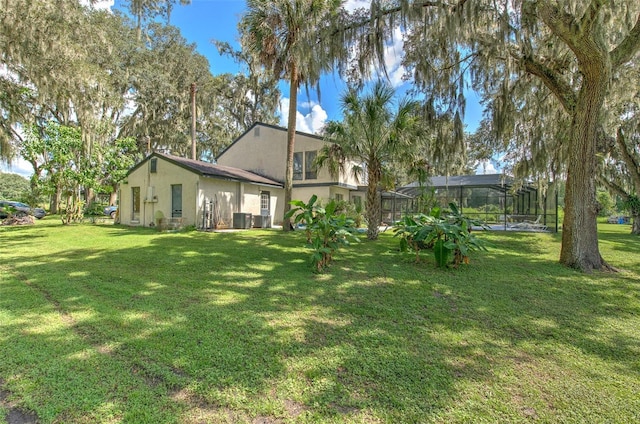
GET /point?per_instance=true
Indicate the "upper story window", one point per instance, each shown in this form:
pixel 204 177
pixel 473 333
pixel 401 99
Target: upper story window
pixel 297 166
pixel 310 171
pixel 154 165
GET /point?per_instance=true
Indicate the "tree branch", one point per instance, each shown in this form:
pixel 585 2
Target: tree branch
pixel 381 13
pixel 627 157
pixel 590 17
pixel 628 47
pixel 562 24
pixel 577 35
pixel 613 187
pixel 562 90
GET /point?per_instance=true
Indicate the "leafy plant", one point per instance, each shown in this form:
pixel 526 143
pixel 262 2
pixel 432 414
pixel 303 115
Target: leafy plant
pixel 352 210
pixel 95 209
pixel 445 235
pixel 326 228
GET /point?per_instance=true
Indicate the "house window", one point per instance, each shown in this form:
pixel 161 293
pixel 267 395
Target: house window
pixel 135 197
pixel 297 166
pixel 154 165
pixel 310 168
pixel 339 197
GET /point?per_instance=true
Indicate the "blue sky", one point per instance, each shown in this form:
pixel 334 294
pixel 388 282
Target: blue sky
pixel 205 20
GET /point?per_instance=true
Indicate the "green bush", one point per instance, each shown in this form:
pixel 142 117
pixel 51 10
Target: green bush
pixel 326 229
pixel 95 209
pixel 447 235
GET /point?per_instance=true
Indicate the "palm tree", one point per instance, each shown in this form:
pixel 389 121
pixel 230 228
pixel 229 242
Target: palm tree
pixel 284 35
pixel 375 133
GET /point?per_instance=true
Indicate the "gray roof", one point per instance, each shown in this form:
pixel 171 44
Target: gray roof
pixel 214 170
pixel 494 181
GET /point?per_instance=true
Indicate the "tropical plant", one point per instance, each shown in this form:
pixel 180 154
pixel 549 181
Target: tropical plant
pixel 326 229
pixel 353 211
pixel 374 134
pixel 446 235
pixel 284 36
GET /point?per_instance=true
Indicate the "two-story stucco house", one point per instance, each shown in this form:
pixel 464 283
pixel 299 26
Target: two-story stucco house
pixel 263 149
pixel 247 179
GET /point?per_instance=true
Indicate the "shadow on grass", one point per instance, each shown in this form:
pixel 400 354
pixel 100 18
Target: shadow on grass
pixel 204 326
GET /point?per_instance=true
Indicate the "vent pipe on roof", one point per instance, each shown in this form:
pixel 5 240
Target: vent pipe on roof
pixel 193 120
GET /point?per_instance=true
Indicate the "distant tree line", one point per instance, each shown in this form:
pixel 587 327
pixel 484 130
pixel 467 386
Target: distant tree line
pixel 111 80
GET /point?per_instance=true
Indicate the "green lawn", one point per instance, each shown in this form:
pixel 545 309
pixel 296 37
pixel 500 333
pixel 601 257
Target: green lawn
pixel 100 323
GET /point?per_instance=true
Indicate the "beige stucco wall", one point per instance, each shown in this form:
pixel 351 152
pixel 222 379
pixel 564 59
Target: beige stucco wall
pixel 263 150
pixel 230 196
pixel 305 193
pixel 225 195
pixel 160 185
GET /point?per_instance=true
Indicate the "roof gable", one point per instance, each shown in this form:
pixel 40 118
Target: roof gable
pixel 275 127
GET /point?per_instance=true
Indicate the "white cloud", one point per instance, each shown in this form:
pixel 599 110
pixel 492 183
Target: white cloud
pixel 307 105
pixel 311 123
pixel 485 167
pixel 393 55
pixel 18 166
pixel 393 50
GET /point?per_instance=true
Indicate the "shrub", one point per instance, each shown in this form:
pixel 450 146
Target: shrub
pixel 325 228
pixel 446 235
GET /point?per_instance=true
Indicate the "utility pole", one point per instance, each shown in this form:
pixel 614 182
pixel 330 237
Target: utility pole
pixel 193 121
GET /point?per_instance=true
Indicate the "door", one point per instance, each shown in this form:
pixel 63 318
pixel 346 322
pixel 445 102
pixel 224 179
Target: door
pixel 135 197
pixel 265 203
pixel 176 201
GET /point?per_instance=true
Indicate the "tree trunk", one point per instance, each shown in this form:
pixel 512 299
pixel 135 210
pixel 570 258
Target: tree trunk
pixel 89 196
pixel 580 232
pixel 55 200
pixel 635 227
pixel 373 204
pixel 291 134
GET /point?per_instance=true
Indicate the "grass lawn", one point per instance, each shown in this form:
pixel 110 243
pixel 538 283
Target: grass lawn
pixel 104 324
